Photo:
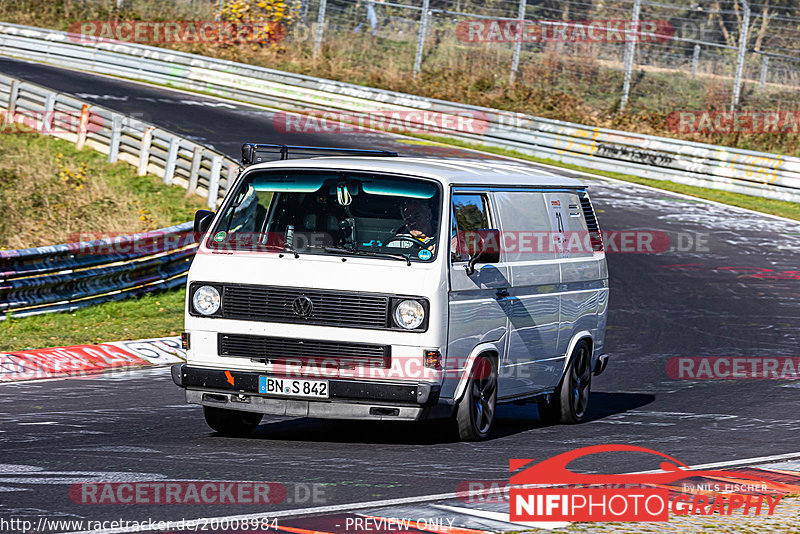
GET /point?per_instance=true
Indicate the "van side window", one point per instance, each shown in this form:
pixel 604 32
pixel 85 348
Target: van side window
pixel 470 212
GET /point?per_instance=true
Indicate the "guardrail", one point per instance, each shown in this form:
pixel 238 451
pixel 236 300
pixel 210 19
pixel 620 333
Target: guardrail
pixel 742 171
pixel 70 276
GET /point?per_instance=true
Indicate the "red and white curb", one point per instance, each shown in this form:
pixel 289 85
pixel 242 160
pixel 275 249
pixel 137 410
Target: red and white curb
pixel 85 360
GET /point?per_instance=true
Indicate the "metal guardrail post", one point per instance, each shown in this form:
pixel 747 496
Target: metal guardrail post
pixel 213 181
pixel 695 59
pixel 194 174
pixel 116 135
pixel 423 31
pixel 172 160
pixel 630 51
pixel 233 172
pixel 737 81
pixel 763 78
pixel 83 126
pixel 13 93
pixel 46 124
pixel 320 27
pixel 144 150
pixel 518 43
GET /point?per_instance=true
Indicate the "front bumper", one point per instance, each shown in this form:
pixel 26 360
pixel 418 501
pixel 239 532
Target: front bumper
pixel 349 399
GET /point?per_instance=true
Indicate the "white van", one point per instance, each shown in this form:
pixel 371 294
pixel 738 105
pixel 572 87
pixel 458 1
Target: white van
pixel 394 288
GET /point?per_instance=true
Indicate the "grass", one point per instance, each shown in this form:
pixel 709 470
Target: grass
pixel 152 315
pixel 52 193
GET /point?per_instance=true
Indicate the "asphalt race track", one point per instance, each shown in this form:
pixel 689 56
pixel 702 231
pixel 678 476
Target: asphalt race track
pixel 738 294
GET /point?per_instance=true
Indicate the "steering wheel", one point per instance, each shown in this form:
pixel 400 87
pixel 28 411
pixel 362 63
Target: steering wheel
pixel 411 240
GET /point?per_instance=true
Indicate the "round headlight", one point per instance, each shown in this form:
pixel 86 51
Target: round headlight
pixel 409 314
pixel 206 300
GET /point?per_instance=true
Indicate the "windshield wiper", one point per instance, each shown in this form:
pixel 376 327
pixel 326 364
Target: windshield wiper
pixel 369 253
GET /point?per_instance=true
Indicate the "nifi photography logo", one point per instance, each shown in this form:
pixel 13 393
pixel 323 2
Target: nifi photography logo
pixel 548 491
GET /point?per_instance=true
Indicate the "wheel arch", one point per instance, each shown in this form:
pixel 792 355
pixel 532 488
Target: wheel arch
pixel 577 338
pixel 480 350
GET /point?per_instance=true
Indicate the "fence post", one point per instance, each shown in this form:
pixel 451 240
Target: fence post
pixel 320 27
pixel 47 117
pixel 764 66
pixel 144 150
pixel 695 59
pixel 630 49
pixel 194 174
pixel 213 181
pixel 233 172
pixel 83 126
pixel 423 30
pixel 13 93
pixel 737 81
pixel 518 44
pixel 116 134
pixel 172 160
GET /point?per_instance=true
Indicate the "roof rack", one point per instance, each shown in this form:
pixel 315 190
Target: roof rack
pixel 253 153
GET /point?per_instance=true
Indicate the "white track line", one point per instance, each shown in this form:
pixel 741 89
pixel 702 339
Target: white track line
pixel 501 517
pixel 199 522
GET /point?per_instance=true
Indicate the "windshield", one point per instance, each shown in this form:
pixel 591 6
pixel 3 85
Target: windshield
pixel 332 213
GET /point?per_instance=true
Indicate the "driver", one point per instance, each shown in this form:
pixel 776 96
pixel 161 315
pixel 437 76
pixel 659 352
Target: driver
pixel 418 219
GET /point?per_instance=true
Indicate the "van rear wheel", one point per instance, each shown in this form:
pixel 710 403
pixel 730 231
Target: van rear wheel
pixel 231 422
pixel 569 402
pixel 475 413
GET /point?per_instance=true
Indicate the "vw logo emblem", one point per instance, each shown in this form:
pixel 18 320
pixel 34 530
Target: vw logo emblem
pixel 302 306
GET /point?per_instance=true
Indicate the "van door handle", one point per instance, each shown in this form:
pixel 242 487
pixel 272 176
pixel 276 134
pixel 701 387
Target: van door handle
pixel 502 293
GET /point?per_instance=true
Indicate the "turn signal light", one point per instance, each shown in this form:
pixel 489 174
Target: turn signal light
pixel 185 340
pixel 433 359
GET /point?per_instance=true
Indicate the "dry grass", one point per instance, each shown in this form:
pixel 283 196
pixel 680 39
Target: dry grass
pixel 567 84
pixel 50 192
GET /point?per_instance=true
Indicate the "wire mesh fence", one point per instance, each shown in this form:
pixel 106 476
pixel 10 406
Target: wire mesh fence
pixel 580 46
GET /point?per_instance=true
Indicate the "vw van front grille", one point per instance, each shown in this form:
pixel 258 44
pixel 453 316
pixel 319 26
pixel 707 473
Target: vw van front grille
pixel 320 353
pixel 305 306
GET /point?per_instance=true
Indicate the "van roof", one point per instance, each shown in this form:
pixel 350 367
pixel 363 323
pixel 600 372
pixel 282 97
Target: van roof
pixel 447 171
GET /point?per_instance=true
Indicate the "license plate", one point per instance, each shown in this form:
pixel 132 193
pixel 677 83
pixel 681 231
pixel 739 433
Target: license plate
pixel 292 387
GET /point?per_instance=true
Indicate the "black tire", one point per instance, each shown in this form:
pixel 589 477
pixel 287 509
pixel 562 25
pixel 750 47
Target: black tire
pixel 231 422
pixel 475 412
pixel 570 401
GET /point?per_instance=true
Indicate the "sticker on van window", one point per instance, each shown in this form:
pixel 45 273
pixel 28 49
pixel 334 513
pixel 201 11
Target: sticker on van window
pixel 424 255
pixel 220 236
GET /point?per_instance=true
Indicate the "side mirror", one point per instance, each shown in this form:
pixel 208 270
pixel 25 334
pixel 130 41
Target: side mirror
pixel 202 222
pixel 483 246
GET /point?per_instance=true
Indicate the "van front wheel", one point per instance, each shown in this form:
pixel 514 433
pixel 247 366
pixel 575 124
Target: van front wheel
pixel 475 412
pixel 570 401
pixel 231 422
